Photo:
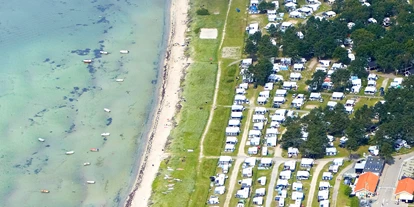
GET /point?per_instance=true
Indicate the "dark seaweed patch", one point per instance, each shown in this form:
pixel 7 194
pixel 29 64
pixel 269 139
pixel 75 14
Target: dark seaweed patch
pixel 108 121
pixel 46 60
pixel 28 162
pixel 75 88
pixel 71 129
pixel 101 41
pixel 71 99
pixel 91 69
pixel 47 146
pixel 65 97
pixel 58 66
pixel 103 8
pixel 81 52
pixel 37 171
pixel 102 20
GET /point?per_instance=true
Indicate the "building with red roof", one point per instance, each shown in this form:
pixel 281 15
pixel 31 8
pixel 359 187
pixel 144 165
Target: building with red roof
pixel 405 190
pixel 366 184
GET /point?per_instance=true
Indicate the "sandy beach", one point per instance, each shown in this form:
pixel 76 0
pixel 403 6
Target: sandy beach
pixel 174 64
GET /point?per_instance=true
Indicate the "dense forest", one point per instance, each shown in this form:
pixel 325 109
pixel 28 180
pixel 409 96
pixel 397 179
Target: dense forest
pixel 390 120
pixel 392 47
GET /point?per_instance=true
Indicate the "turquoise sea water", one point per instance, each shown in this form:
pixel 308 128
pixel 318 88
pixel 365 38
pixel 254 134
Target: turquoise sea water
pixel 47 91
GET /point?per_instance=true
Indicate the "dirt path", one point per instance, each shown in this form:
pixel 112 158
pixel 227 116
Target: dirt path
pixel 338 183
pixel 313 63
pixel 232 182
pixel 272 183
pixel 385 83
pixel 314 182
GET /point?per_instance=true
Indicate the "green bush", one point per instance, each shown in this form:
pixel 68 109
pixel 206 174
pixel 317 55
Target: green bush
pixel 202 11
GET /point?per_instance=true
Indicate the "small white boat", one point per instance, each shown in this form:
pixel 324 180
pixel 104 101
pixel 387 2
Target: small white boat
pixel 119 80
pixel 86 163
pixel 41 139
pixel 103 52
pixel 124 51
pixel 107 110
pixel 70 152
pixel 44 191
pixel 105 134
pixel 87 61
pixel 90 182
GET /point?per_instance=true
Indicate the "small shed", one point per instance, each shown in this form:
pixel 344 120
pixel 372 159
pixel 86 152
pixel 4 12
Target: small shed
pixel 220 190
pixel 271 141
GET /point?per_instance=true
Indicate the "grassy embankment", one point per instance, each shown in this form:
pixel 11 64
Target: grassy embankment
pixel 198 90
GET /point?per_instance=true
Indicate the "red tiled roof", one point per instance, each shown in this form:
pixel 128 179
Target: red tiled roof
pixel 367 181
pixel 405 185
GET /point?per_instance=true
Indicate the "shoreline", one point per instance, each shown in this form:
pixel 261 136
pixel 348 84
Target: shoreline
pixel 168 97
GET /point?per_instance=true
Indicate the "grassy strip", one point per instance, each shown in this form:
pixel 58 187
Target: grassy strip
pixel 198 94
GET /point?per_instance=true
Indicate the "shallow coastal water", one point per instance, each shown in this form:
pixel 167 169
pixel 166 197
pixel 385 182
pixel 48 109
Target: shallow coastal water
pixel 47 91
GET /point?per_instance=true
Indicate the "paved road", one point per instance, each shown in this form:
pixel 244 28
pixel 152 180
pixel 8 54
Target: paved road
pixel 338 183
pixel 314 183
pixel 388 182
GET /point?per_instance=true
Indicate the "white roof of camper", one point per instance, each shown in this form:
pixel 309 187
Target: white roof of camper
pixel 349 108
pixel 281 92
pixel 232 139
pixel 295 75
pixel 372 82
pixel 296 195
pixel 271 140
pixel 232 129
pixel 236 114
pixel 255 132
pixel 278 99
pixel 286 173
pixel 282 182
pixel 332 103
pixel 225 159
pixel 240 97
pixel 234 122
pixel 259 117
pixel 260 109
pixel 258 125
pixel 266 160
pixel 326 174
pixel 272 131
pixel 247 61
pixel 315 95
pixel 250 160
pixel 247 181
pixel 258 200
pixel 298 65
pixel 247 170
pixel 323 193
pixel 229 147
pixel 303 173
pixel 324 184
pixel 307 161
pixel 237 107
pixel 370 88
pixel 350 101
pixel 337 94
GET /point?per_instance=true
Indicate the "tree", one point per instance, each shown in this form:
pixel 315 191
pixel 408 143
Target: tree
pixel 250 48
pixel 291 138
pixel 357 67
pixel 264 5
pixel 261 71
pixel 272 30
pixel 348 190
pixel 316 81
pixel 338 120
pixel 340 79
pixel 386 150
pixel 355 134
pixel 362 36
pixel 266 48
pixel 202 11
pixel 342 55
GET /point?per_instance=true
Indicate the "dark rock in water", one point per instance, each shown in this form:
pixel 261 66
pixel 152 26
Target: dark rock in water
pixel 29 162
pixel 65 97
pixel 17 166
pixel 85 90
pixel 71 99
pixel 81 52
pixel 103 8
pixel 154 81
pixel 47 159
pixel 48 145
pixel 102 20
pixel 58 66
pixel 108 121
pixel 91 68
pixel 101 41
pixel 76 88
pixel 46 60
pixel 97 53
pixel 71 129
pixel 34 153
pixel 105 139
pixel 37 171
